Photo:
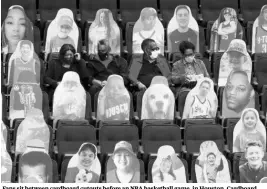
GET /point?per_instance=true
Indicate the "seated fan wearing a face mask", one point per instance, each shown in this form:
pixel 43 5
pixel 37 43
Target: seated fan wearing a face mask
pixel 103 64
pixel 144 67
pixel 188 70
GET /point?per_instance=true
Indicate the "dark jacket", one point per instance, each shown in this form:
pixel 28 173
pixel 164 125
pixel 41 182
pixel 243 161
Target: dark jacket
pixel 161 67
pixel 56 71
pixel 97 70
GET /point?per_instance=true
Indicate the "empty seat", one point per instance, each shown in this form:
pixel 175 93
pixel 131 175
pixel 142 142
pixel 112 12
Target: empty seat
pixel 28 5
pixel 109 135
pixel 156 135
pixel 70 138
pixel 196 134
pixel 260 69
pixel 167 8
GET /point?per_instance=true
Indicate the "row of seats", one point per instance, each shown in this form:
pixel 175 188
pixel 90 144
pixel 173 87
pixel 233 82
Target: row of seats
pixel 128 10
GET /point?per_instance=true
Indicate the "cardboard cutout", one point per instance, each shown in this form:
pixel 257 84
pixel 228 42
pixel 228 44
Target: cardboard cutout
pixel 123 166
pixel 168 168
pixel 69 100
pixel 248 128
pixel 211 166
pixel 253 164
pixel 113 100
pixel 224 30
pixel 201 101
pixel 84 166
pixel 4 133
pixel 25 95
pixel 23 59
pixel 159 80
pixel 148 26
pixel 35 166
pixel 33 127
pixel 17 26
pixel 235 58
pixel 182 27
pixel 62 30
pixel 259 32
pixel 6 162
pixel 158 102
pixel 238 94
pixel 104 27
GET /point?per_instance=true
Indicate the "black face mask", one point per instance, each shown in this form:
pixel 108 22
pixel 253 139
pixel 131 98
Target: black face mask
pixel 68 60
pixel 103 56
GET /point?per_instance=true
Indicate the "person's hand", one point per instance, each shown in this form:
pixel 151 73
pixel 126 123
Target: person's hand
pixel 91 56
pixel 189 78
pixel 77 56
pixel 141 86
pixel 97 82
pixel 103 83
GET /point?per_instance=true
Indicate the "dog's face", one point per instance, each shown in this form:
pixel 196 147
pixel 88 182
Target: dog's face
pixel 158 103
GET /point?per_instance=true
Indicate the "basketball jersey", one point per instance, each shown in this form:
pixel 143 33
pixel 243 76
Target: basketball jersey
pixel 117 109
pixel 20 66
pixel 199 109
pixel 260 40
pixel 224 42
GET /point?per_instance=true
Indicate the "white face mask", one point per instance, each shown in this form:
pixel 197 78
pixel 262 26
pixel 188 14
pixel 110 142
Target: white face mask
pixel 154 54
pixel 190 59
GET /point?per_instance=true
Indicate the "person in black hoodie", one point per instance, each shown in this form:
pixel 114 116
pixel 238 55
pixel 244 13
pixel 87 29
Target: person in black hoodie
pixel 102 65
pixel 68 60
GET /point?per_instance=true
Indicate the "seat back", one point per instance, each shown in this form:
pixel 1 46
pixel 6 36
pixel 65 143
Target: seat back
pixel 196 134
pixel 109 135
pixel 69 138
pixel 155 136
pixel 230 126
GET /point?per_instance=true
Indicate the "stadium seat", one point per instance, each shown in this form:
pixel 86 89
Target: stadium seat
pixel 63 170
pixel 260 69
pixel 109 135
pixel 167 8
pixel 230 132
pixel 196 134
pixel 156 135
pixel 130 10
pixel 28 5
pixel 215 65
pixel 210 10
pixel 150 165
pixel 250 10
pixel 70 138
